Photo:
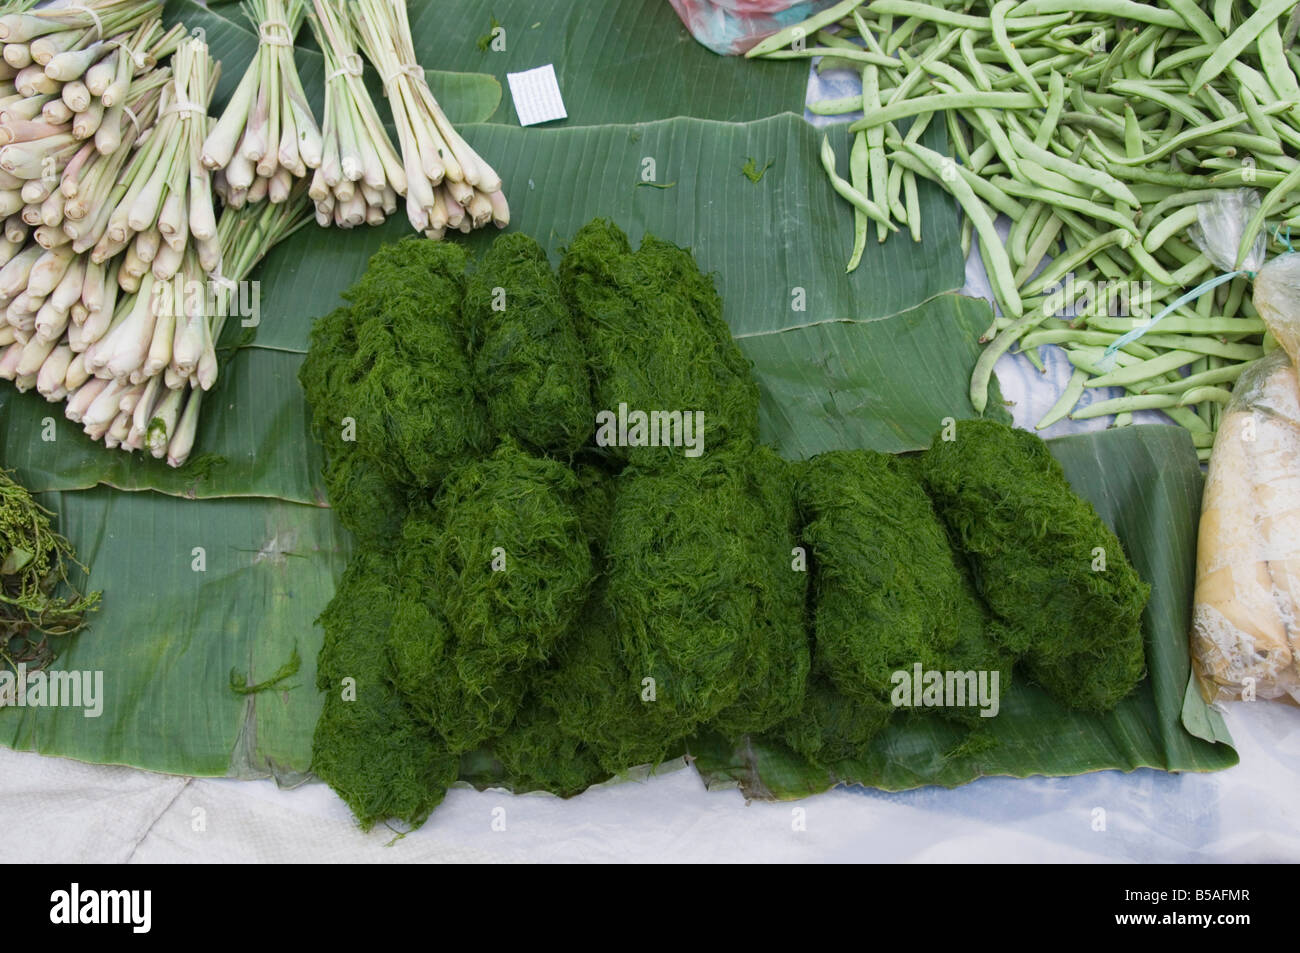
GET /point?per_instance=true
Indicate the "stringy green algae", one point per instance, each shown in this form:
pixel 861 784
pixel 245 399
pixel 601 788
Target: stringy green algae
pixel 394 361
pixel 1034 546
pixel 577 611
pixel 528 360
pixel 369 746
pixel 492 576
pixel 702 590
pixel 655 338
pixel 889 593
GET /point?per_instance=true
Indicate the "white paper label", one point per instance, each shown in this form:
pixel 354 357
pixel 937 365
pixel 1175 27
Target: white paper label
pixel 537 95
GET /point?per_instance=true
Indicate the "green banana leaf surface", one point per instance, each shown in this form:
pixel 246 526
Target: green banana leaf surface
pixel 218 570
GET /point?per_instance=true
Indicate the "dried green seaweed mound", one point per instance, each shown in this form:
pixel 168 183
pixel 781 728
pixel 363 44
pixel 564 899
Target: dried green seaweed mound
pixel 598 700
pixel 1035 550
pixel 702 589
pixel 368 745
pixel 889 594
pixel 494 575
pixel 394 363
pixel 529 365
pixel 538 755
pixel 655 338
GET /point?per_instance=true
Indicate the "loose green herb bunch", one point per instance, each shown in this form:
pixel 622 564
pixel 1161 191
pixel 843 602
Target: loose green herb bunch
pixel 576 610
pixel 37 598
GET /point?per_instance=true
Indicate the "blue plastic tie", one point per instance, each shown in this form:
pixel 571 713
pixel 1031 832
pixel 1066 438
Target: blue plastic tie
pixel 1107 362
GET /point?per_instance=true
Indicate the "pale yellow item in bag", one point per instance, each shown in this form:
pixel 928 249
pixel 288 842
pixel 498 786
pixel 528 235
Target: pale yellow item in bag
pixel 1246 612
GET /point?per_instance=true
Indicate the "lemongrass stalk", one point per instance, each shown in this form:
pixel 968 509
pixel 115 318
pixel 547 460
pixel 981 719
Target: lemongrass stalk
pixel 86 122
pixel 101 74
pixel 53 371
pixel 14 273
pixel 162 424
pixel 49 237
pixel 26 108
pixel 48 270
pixel 103 408
pixel 82 397
pixel 34 353
pixel 182 443
pixel 52 209
pixel 144 407
pixel 76 374
pixel 72 65
pixel 18 55
pixel 146 244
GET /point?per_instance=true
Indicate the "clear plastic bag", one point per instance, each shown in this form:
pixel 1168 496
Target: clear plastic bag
pixel 1220 224
pixel 1246 611
pixel 730 27
pixel 1277 299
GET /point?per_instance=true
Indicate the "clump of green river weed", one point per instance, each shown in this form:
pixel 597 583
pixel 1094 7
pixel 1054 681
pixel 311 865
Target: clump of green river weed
pixel 528 596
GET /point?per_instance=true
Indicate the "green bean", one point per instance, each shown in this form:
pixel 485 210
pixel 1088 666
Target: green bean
pixel 1206 345
pixel 848 192
pixel 1063 265
pixel 925 104
pixel 1094 178
pixel 1201 395
pixel 1065 403
pixel 1239 39
pixel 1150 92
pixel 988 192
pixel 1148 264
pixel 826 38
pixel 1147 56
pixel 1055 103
pixel 1061 200
pixel 854 55
pixel 858 176
pixel 997 261
pixel 967 46
pixel 1175 324
pixel 1119 9
pixel 895 192
pixel 916 71
pixel 835 107
pixel 1040 243
pixel 1223 15
pixel 913 199
pixel 1200 132
pixel 1021 228
pixel 1221 375
pixel 925 11
pixel 1129 403
pixel 812 24
pixel 1270 201
pixel 983 372
pixel 981 156
pixel 998 23
pixel 1143 370
pixel 900 35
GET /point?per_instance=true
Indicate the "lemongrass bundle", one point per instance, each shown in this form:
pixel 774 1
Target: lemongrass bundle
pixel 267 137
pixel 448 184
pixel 164 193
pixel 360 175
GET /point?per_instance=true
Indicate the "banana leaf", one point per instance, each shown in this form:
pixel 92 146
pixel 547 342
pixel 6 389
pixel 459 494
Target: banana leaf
pixel 783 287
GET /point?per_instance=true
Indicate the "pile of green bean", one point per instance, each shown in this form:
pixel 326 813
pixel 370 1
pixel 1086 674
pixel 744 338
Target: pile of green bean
pixel 1097 127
